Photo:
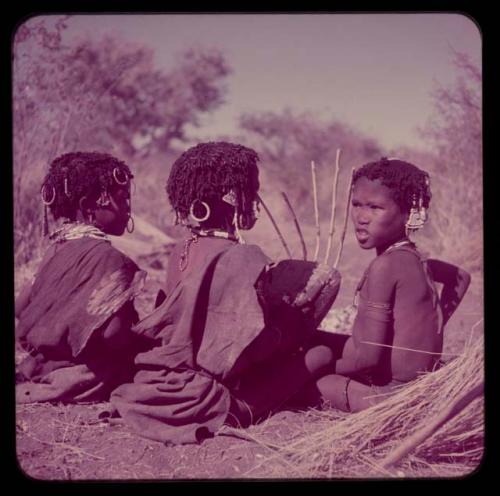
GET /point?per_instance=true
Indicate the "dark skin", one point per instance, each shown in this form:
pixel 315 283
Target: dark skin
pixel 111 219
pixel 381 350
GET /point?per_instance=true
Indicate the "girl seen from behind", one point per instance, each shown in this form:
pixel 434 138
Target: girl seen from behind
pixel 75 316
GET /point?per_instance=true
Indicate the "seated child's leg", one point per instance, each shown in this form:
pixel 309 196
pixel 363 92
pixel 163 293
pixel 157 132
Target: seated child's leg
pixel 347 394
pixel 269 386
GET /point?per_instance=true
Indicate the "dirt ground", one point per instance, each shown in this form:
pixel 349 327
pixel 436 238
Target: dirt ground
pixel 71 442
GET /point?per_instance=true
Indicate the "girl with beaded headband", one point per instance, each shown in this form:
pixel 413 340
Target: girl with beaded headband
pixel 224 354
pixel 79 308
pixel 398 329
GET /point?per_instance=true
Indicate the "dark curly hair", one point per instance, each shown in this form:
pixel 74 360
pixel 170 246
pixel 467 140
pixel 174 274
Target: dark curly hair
pixel 74 175
pixel 208 171
pixel 406 181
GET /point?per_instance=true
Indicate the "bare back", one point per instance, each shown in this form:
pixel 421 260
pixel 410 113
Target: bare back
pixel 417 317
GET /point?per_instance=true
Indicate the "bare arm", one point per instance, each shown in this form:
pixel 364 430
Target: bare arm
pixel 373 323
pixel 363 356
pixel 455 283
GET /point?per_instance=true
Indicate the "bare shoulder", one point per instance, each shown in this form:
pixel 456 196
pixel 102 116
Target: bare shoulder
pixel 394 265
pixel 393 261
pixel 382 277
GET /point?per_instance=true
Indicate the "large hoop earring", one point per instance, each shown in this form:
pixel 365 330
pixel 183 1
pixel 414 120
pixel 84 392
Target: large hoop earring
pixel 121 182
pixel 130 229
pixel 199 219
pixel 44 198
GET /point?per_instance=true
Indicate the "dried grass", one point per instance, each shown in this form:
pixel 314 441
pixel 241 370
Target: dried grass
pixel 337 445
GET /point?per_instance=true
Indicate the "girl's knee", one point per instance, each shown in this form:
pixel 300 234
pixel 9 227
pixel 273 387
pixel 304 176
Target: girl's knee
pixel 319 360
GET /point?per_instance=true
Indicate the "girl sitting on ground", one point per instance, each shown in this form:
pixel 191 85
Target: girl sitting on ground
pixel 398 330
pixel 75 317
pixel 230 348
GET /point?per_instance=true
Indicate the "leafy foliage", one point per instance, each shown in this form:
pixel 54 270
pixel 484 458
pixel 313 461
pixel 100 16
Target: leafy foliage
pixel 98 95
pixel 455 133
pixel 288 142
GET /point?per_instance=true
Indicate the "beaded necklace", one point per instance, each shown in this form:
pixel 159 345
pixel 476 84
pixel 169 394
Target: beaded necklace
pixel 76 230
pixel 197 233
pixel 398 244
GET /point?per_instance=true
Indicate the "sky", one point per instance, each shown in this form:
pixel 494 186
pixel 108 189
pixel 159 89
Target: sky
pixel 374 72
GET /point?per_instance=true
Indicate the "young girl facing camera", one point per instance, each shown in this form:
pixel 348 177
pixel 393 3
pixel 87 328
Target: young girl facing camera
pixel 398 330
pixel 75 317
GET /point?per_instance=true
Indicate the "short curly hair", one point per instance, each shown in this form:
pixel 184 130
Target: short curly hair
pixel 77 174
pixel 208 171
pixel 407 182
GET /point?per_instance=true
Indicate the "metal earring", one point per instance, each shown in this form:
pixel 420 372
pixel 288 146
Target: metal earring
pixel 103 200
pixel 66 190
pixel 44 199
pixel 230 198
pixel 130 229
pixel 422 211
pixel 192 214
pixel 46 204
pixel 236 224
pixel 256 209
pixel 121 182
pixel 416 219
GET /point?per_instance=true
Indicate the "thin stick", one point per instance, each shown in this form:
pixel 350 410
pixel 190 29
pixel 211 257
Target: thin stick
pixel 346 219
pixel 275 226
pixel 334 197
pixel 316 210
pixel 409 349
pixel 297 226
pixel 420 436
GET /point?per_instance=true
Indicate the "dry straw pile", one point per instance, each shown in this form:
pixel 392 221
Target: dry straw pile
pixel 408 434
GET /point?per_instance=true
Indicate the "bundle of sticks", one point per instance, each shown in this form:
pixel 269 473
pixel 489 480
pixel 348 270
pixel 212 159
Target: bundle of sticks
pixel 316 217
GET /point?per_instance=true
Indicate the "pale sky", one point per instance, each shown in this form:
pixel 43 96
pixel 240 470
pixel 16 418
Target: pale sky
pixel 372 71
